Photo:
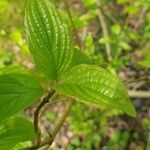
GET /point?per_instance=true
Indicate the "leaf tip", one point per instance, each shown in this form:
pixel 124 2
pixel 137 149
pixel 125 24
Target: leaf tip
pixel 131 110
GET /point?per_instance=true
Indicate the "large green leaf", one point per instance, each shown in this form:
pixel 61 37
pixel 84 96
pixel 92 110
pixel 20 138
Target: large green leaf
pixel 93 85
pixel 14 131
pixel 48 38
pixel 17 91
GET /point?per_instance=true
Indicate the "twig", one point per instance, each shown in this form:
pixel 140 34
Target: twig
pixel 111 18
pixel 56 129
pixel 141 94
pixel 144 78
pixel 37 112
pixel 67 7
pixel 140 19
pixel 62 118
pixel 148 142
pixel 105 32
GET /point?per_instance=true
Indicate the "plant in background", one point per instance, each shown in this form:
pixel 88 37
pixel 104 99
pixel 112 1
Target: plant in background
pixel 65 69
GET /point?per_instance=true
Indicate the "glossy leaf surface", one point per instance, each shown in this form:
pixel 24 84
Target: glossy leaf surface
pixel 14 131
pixel 94 85
pixel 48 38
pixel 17 91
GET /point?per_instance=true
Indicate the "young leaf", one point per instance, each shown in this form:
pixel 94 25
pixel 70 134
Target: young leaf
pixel 93 85
pixel 17 91
pixel 14 131
pixel 48 38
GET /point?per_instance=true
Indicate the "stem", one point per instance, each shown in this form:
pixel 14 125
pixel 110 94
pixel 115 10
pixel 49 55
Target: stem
pixel 111 18
pixel 142 94
pixel 148 142
pixel 67 7
pixel 105 31
pixel 62 118
pixel 56 129
pixel 37 112
pixel 140 19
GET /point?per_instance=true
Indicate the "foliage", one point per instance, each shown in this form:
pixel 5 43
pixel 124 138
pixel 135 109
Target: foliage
pixel 63 67
pixel 91 84
pixel 17 91
pixel 15 130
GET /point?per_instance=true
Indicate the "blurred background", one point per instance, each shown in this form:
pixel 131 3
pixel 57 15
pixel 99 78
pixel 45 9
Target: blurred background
pixel 114 34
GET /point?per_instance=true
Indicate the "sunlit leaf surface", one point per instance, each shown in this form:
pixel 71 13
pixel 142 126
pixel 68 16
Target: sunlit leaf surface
pixel 95 85
pixel 48 38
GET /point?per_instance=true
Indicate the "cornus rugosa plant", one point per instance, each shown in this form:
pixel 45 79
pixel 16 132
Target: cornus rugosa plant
pixel 68 72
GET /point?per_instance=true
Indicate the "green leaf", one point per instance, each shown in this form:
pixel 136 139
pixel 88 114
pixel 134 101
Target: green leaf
pixel 13 69
pixel 22 145
pixel 17 91
pixel 89 45
pixel 3 6
pixel 79 58
pixel 146 59
pixel 116 29
pixel 144 63
pixel 90 4
pixel 14 131
pixel 94 85
pixel 49 38
pixel 122 1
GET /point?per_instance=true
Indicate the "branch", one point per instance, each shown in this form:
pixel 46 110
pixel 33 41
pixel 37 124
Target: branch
pixel 56 129
pixel 140 19
pixel 105 31
pixel 37 112
pixel 148 142
pixel 106 14
pixel 62 118
pixel 141 94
